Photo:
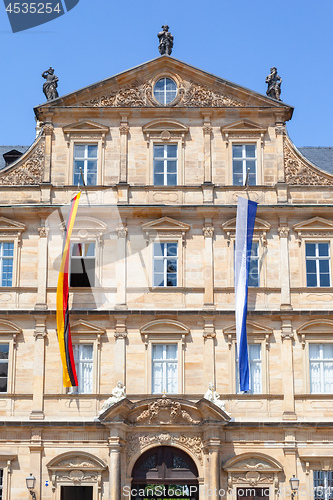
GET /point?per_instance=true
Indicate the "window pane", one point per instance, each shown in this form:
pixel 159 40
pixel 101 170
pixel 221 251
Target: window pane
pixel 324 280
pixel 4 369
pixel 158 249
pixel 92 151
pixel 158 151
pixel 311 266
pixel 172 376
pixel 327 350
pixel 250 150
pixel 4 349
pixel 238 166
pixel 7 272
pixel 172 249
pixel 172 280
pixel 8 249
pixel 324 266
pixel 157 377
pixel 172 150
pixel 314 351
pixel 238 180
pixel 171 266
pixel 171 351
pixel 323 249
pixel 86 351
pixel 172 167
pixel 172 179
pixel 252 180
pixel 158 179
pixel 3 384
pixel 90 249
pixel 310 249
pixel 158 279
pixel 158 167
pixel 157 351
pixel 159 266
pixel 237 151
pixel 79 150
pixel 252 166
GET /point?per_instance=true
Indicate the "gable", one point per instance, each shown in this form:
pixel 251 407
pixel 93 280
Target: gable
pixel 314 224
pixel 12 226
pixel 196 88
pixel 165 224
pixel 88 127
pixel 243 127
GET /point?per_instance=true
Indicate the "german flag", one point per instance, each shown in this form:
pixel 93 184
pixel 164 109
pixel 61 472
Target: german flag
pixel 63 327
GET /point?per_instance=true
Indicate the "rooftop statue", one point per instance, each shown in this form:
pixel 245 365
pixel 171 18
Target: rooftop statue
pixel 118 393
pixel 51 84
pixel 274 84
pixel 166 41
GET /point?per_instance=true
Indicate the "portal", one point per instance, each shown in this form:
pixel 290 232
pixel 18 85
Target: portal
pixel 76 493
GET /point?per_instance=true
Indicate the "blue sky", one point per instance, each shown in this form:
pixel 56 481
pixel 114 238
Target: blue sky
pixel 238 41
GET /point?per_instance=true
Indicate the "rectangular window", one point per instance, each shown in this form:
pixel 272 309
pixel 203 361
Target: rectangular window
pixel 254 351
pixel 321 368
pixel 85 161
pixel 323 484
pixel 82 266
pixel 254 265
pixel 6 263
pixel 317 264
pixel 164 368
pixel 165 264
pixel 165 164
pixel 83 357
pixel 244 160
pixel 4 350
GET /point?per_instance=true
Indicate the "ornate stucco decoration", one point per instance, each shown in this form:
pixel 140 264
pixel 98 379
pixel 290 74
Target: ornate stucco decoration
pixel 251 469
pixel 76 468
pixel 28 170
pixel 139 94
pixel 299 171
pixel 172 413
pixel 139 441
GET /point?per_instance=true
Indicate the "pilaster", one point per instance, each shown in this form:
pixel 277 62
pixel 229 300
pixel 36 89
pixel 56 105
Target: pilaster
pixel 114 445
pixel 209 335
pixel 36 449
pixel 208 232
pixel 283 231
pixel 40 334
pixel 41 303
pixel 121 266
pixel 287 336
pixel 48 132
pixel 120 334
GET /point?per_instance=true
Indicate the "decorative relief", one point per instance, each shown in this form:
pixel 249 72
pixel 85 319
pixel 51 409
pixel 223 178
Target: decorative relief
pixel 252 478
pixel 299 173
pixel 174 408
pixel 76 462
pixel 283 232
pixel 254 464
pixel 43 231
pixel 208 232
pixel 28 173
pixel 137 442
pixel 77 477
pixel 140 94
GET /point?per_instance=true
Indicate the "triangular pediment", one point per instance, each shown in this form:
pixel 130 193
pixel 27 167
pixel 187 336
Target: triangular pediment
pixel 11 225
pixel 83 327
pixel 244 126
pixel 260 225
pixel 195 88
pixel 87 127
pixel 252 328
pixel 165 224
pixel 314 224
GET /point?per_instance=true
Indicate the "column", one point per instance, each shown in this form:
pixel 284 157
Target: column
pixel 121 267
pixel 287 336
pixel 213 447
pixel 208 232
pixel 114 468
pixel 40 334
pixel 209 336
pixel 123 166
pixel 36 449
pixel 120 334
pixel 283 231
pixel 47 131
pixel 41 303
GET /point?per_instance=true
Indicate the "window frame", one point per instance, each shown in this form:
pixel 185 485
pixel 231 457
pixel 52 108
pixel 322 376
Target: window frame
pixel 4 257
pixel 244 160
pixel 165 77
pixel 85 159
pixel 11 232
pixel 75 390
pixel 237 371
pixel 180 161
pixel 259 157
pixel 72 243
pixel 165 259
pixel 8 335
pixel 316 242
pixel 165 160
pixel 164 364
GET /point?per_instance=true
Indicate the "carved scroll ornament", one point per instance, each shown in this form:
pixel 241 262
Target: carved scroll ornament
pixel 174 409
pixel 29 172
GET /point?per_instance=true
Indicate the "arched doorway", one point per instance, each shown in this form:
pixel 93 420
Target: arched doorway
pixel 165 472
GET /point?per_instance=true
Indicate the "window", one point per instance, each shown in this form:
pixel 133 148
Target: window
pixel 6 263
pixel 254 351
pixel 321 368
pixel 323 484
pixel 165 264
pixel 317 257
pixel 164 368
pixel 83 357
pixel 85 164
pixel 165 164
pixel 4 351
pixel 254 265
pixel 244 159
pixel 82 268
pixel 165 91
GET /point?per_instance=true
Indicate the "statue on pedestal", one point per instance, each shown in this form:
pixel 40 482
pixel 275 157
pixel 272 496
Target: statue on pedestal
pixel 214 396
pixel 51 84
pixel 118 393
pixel 274 84
pixel 166 41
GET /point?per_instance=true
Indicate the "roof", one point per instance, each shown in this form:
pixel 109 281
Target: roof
pixel 319 156
pixel 6 149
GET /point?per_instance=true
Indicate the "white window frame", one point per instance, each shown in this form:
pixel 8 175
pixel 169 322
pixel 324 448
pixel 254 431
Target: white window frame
pixel 85 160
pixel 250 363
pixel 164 258
pixel 327 490
pixel 164 77
pixel 78 365
pixel 321 362
pixel 244 159
pixel 164 363
pixel 259 157
pixel 317 258
pixel 11 232
pixel 72 243
pixel 6 466
pixel 5 257
pixel 165 160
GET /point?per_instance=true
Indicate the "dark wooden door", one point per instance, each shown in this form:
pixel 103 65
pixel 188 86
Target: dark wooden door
pixel 76 493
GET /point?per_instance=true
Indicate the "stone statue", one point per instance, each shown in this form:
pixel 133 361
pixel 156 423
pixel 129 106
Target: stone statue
pixel 118 393
pixel 166 41
pixel 51 84
pixel 214 396
pixel 274 84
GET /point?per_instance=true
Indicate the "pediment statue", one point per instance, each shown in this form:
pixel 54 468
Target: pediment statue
pixel 214 396
pixel 118 393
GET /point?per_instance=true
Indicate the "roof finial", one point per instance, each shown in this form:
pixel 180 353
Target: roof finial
pixel 274 84
pixel 51 84
pixel 166 41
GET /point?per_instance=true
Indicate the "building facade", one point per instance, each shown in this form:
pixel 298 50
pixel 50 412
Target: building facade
pixel 161 153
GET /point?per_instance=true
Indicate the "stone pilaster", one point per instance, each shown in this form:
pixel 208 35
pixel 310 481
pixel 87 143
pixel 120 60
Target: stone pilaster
pixel 120 334
pixel 48 132
pixel 41 303
pixel 40 334
pixel 208 232
pixel 207 131
pixel 209 336
pixel 114 468
pixel 283 231
pixel 287 336
pixel 121 267
pixel 124 131
pixel 36 450
pixel 212 447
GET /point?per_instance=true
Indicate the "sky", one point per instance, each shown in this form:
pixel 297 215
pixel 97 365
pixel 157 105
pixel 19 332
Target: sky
pixel 237 40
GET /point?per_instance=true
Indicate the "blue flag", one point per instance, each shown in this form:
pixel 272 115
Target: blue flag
pixel 246 214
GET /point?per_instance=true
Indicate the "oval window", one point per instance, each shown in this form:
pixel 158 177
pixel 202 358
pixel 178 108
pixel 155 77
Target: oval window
pixel 165 91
